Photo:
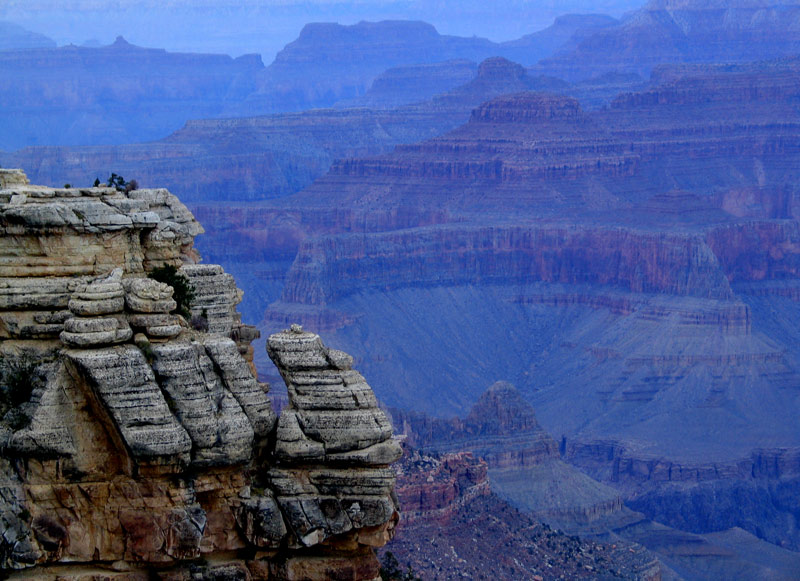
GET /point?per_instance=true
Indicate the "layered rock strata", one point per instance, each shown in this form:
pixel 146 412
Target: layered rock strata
pixel 333 446
pixel 456 525
pixel 157 455
pixel 523 460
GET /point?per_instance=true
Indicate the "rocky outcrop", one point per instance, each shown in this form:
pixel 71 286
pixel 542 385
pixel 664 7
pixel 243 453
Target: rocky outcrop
pixel 455 525
pixel 501 428
pixel 434 487
pixel 524 462
pixel 332 447
pixel 132 456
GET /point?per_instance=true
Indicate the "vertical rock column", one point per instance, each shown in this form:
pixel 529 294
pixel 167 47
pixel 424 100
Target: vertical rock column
pixel 332 477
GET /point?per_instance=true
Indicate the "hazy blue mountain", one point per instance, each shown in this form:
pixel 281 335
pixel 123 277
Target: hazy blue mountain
pixel 14 37
pixel 125 93
pixel 243 26
pixel 112 94
pixel 681 31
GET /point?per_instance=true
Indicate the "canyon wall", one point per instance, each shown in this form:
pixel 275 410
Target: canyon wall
pixel 632 270
pixel 136 445
pixel 455 525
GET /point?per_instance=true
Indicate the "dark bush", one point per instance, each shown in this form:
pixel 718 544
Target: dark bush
pixel 117 181
pixel 184 291
pixel 391 571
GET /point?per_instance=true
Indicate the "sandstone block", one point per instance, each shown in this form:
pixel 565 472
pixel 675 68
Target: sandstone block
pixel 151 320
pixel 220 431
pixel 292 443
pixel 90 325
pixel 238 378
pixel 100 338
pixel 148 289
pixel 216 294
pixel 91 308
pixel 126 386
pixel 385 452
pixel 164 331
pixel 140 305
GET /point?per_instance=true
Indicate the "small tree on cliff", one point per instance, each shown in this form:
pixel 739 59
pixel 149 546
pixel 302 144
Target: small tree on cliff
pixel 117 181
pixel 184 291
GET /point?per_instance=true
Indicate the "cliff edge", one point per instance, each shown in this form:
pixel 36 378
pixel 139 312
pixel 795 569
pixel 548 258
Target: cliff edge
pixel 137 445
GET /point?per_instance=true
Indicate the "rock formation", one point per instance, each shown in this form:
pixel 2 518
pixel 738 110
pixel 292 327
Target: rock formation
pixel 135 446
pixel 524 463
pixel 453 525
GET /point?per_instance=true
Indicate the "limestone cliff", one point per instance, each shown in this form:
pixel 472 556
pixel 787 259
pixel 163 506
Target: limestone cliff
pixel 138 446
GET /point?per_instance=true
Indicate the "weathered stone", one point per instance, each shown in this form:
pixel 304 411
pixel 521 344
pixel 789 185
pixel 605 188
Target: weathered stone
pixel 125 384
pixel 140 305
pixel 333 404
pixel 261 521
pixel 12 177
pixel 239 380
pixel 151 320
pixel 385 452
pixel 186 527
pixel 216 295
pixel 91 308
pixel 95 338
pixel 132 462
pixel 220 431
pixel 292 443
pixel 42 293
pixel 93 325
pixel 164 331
pixel 148 289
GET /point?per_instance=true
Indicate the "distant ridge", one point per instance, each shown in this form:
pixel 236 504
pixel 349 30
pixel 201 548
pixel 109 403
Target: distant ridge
pixel 684 31
pixel 14 37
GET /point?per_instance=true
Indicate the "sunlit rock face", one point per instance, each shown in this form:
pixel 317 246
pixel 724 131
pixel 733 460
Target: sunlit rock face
pixel 138 446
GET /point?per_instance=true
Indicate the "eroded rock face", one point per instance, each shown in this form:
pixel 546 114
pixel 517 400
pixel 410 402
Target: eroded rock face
pixel 334 446
pixel 133 456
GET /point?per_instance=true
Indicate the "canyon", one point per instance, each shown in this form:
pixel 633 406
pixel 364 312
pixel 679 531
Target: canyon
pixel 628 262
pixel 252 159
pixel 631 270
